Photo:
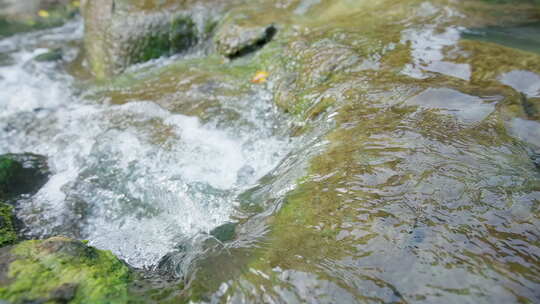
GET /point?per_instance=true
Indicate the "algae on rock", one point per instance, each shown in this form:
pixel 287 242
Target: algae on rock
pixel 61 270
pixel 421 157
pixel 8 234
pixel 407 188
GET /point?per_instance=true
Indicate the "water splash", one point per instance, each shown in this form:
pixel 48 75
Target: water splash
pixel 133 178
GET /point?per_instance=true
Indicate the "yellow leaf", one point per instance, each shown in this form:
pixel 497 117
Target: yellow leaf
pixel 260 77
pixel 43 14
pixel 76 3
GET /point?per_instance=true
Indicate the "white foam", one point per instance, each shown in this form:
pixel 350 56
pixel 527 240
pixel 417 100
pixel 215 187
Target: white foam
pixel 133 178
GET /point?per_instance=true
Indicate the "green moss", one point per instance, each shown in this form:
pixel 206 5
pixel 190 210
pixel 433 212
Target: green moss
pixel 8 167
pixel 164 85
pixel 8 235
pixel 157 46
pixel 315 66
pixel 41 269
pixel 346 200
pixel 183 34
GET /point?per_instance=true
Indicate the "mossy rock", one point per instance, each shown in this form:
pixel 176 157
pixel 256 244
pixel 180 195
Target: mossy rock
pixel 8 234
pixel 61 270
pixel 121 34
pixel 22 174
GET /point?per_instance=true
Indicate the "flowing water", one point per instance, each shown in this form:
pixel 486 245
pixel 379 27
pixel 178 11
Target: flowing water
pixel 415 179
pixel 133 178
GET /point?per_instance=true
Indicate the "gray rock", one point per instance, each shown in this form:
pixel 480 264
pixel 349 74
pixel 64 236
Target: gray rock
pixel 119 34
pixel 237 37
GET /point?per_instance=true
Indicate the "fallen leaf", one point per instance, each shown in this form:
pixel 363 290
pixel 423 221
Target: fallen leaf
pixel 43 14
pixel 260 77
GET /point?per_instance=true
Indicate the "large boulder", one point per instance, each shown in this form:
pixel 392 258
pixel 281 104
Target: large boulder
pixel 61 270
pixel 121 33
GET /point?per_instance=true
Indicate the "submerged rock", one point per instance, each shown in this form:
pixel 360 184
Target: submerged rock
pixel 224 232
pixel 61 270
pixel 407 170
pixel 52 55
pixel 536 160
pixel 417 169
pixel 22 174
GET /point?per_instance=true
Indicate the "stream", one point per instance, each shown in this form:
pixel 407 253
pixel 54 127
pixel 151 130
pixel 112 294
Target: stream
pixel 135 179
pixel 361 151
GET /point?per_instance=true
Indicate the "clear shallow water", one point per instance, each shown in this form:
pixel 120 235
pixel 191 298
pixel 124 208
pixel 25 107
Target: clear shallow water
pixel 133 178
pixel 424 194
pixel 420 188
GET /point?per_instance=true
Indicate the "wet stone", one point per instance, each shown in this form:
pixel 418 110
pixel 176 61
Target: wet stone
pixel 536 160
pixel 224 232
pixel 238 37
pixel 53 55
pixel 120 34
pixel 22 174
